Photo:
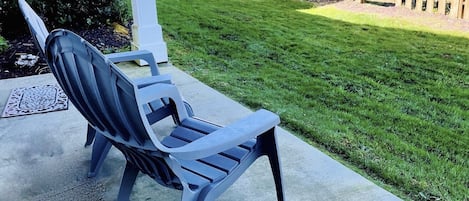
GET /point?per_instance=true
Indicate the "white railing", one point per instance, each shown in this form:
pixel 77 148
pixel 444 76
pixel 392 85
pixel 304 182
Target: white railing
pixel 452 8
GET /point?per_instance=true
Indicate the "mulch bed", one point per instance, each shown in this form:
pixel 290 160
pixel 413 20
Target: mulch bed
pixel 104 38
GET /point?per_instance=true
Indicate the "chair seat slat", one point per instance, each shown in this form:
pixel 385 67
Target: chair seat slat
pixel 204 170
pixel 206 127
pixel 194 179
pixel 224 163
pixel 219 161
pixel 200 125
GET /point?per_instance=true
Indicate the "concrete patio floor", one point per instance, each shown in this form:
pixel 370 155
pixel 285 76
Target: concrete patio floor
pixel 42 156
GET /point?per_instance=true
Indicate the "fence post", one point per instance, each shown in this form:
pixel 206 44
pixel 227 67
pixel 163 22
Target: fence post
pixel 461 9
pixel 466 12
pixel 453 12
pixel 430 5
pixel 408 4
pixel 418 5
pixel 442 7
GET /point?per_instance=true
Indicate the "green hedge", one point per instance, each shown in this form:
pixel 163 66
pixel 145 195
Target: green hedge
pixel 64 13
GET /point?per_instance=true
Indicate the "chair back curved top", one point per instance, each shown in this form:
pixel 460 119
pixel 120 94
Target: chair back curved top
pixel 36 26
pixel 104 95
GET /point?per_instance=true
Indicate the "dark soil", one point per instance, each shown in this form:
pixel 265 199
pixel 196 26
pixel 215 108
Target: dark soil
pixel 103 38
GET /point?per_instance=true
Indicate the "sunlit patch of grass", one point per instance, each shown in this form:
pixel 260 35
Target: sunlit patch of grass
pixel 380 21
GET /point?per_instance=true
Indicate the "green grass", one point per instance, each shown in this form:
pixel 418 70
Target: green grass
pixel 3 44
pixel 392 103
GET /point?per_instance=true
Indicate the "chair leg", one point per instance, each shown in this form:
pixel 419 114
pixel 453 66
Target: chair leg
pixel 90 135
pixel 189 195
pixel 100 150
pixel 128 181
pixel 270 148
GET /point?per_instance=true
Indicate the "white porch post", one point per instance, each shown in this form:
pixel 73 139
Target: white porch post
pixel 146 32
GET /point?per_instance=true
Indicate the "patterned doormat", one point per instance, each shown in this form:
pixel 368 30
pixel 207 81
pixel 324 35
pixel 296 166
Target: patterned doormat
pixel 36 99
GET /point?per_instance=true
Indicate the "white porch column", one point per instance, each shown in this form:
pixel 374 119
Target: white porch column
pixel 146 32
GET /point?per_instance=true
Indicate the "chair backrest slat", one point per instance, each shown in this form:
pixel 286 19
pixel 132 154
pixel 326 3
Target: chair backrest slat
pixel 73 83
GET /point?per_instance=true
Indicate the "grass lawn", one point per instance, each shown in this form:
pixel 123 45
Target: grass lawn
pixel 3 44
pixel 391 103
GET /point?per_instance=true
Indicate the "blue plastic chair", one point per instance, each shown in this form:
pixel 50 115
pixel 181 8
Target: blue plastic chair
pixel 101 146
pixel 198 157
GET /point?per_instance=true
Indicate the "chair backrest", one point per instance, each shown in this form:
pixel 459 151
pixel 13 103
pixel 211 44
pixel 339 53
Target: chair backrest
pixel 106 98
pixel 99 90
pixel 36 25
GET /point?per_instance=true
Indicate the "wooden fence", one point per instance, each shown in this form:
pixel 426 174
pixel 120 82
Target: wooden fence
pixel 452 8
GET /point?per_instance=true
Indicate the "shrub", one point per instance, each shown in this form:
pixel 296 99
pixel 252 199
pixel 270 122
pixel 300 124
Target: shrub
pixel 64 13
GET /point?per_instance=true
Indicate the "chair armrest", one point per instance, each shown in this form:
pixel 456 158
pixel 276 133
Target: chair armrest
pixel 158 91
pixel 228 137
pixel 146 81
pixel 135 55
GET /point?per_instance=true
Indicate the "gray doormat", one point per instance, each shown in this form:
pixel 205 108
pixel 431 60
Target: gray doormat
pixel 36 99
